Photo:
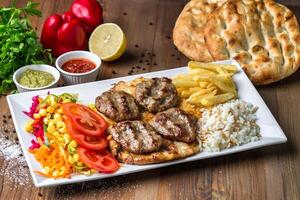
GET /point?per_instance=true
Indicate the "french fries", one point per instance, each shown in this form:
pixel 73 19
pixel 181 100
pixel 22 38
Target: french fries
pixel 197 97
pixel 212 67
pixel 206 84
pixel 217 99
pixel 185 83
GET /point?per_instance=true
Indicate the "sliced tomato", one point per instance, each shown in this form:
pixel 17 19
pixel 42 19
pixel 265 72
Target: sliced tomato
pixel 85 119
pixel 96 143
pixel 102 161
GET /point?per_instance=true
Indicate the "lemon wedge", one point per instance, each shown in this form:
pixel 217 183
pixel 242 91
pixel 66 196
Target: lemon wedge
pixel 108 41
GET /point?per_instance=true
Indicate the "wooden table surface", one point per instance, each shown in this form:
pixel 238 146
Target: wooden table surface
pixel 268 173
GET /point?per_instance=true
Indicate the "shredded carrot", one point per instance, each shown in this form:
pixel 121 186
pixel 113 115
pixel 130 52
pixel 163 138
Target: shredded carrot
pixel 43 174
pixel 54 157
pixel 64 154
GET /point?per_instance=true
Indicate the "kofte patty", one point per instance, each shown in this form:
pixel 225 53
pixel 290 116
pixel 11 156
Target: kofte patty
pixel 175 124
pixel 156 94
pixel 117 105
pixel 136 136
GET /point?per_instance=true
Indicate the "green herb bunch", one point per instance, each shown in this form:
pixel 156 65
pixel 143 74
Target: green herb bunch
pixel 19 43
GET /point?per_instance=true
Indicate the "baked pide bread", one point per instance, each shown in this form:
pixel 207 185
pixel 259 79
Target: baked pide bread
pixel 262 35
pixel 157 135
pixel 188 34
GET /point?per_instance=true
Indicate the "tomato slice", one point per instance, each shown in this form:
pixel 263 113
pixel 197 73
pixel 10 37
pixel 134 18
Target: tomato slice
pixel 96 143
pixel 85 119
pixel 102 161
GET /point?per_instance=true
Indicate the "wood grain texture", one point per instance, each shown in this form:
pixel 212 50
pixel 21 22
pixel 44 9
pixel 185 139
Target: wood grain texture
pixel 268 173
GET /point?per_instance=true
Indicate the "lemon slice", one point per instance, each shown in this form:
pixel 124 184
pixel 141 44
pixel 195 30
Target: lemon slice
pixel 108 41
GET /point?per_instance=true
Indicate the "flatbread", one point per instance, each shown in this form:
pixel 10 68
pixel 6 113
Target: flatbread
pixel 262 35
pixel 188 33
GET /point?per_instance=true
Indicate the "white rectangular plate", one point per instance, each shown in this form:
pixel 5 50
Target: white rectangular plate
pixel 270 131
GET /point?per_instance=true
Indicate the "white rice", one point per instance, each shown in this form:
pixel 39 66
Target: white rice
pixel 229 124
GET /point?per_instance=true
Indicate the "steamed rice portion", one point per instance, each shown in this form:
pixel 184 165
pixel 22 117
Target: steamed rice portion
pixel 229 124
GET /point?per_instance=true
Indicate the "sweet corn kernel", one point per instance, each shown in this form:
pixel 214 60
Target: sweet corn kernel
pixel 46 121
pixel 87 173
pixel 73 143
pixel 61 171
pixel 71 160
pixel 51 141
pixel 54 104
pixel 60 110
pixel 51 123
pixel 50 109
pixel 57 116
pixel 28 126
pixel 63 130
pixel 79 164
pixel 66 101
pixel 46 170
pixel 67 138
pixel 71 150
pixel 43 112
pixel 63 168
pixel 60 124
pixel 61 139
pixel 36 116
pixel 56 134
pixel 76 157
pixel 55 173
pixel 51 129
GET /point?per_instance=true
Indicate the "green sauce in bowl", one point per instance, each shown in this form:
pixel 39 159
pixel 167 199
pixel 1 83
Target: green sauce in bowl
pixel 36 78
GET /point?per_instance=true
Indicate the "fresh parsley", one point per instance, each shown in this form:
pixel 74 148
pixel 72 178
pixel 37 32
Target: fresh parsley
pixel 19 43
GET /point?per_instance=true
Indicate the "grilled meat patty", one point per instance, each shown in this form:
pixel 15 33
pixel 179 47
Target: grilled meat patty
pixel 117 105
pixel 136 136
pixel 175 124
pixel 156 94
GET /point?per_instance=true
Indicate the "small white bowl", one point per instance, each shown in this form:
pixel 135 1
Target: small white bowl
pixel 41 67
pixel 77 78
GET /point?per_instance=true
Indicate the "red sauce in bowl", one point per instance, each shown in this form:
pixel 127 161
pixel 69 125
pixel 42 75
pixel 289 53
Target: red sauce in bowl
pixel 78 66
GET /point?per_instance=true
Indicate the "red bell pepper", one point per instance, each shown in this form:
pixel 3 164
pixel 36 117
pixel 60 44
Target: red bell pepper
pixel 63 33
pixel 89 12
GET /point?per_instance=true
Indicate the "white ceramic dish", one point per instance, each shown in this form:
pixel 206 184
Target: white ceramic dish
pixel 270 131
pixel 40 67
pixel 77 78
